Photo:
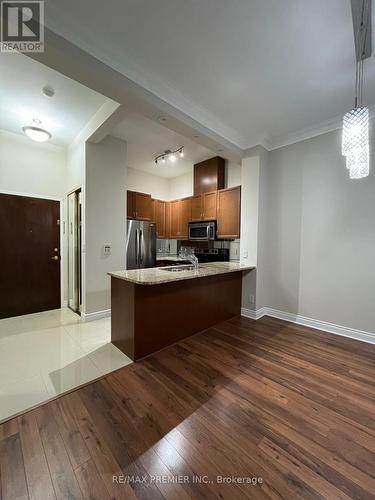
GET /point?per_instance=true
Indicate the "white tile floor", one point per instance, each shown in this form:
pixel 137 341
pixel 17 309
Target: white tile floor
pixel 45 354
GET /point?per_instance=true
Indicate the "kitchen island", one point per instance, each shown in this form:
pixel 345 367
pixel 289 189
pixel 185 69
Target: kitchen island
pixel 156 307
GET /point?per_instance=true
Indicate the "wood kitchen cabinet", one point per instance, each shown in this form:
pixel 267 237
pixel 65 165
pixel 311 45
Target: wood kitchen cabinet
pixel 179 217
pixel 203 206
pixel 167 219
pixel 139 206
pixel 209 175
pixel 159 207
pixel 173 219
pixel 184 217
pixel 229 213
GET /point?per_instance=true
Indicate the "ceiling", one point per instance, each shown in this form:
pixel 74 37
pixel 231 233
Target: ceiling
pixel 64 115
pixel 253 71
pixel 146 139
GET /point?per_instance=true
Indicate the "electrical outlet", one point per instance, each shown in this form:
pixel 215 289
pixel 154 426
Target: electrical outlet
pixel 252 299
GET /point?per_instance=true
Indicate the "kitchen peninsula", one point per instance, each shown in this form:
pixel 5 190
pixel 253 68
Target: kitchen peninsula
pixel 156 307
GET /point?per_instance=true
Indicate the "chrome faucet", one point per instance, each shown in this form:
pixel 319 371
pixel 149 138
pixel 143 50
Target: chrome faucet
pixel 187 253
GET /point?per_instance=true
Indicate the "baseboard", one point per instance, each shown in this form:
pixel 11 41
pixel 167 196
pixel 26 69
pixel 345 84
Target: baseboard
pixel 248 313
pixel 344 331
pixel 96 315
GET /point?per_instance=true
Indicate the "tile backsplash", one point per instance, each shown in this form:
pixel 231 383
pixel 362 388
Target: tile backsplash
pixel 166 247
pixel 172 247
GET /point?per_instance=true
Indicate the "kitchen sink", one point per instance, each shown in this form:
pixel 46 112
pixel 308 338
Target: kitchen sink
pixel 177 269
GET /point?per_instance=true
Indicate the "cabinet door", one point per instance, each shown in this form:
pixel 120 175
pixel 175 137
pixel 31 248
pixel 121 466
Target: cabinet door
pixel 209 175
pixel 174 207
pixel 167 219
pixel 184 217
pixel 143 206
pixel 196 208
pixel 160 218
pixel 229 213
pixel 153 210
pixel 209 206
pixel 130 210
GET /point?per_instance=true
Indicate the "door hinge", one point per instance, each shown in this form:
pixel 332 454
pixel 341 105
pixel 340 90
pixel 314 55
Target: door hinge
pixel 58 222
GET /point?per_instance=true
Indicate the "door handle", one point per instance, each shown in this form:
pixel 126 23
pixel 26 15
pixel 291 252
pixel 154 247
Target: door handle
pixel 55 257
pixel 136 246
pixel 141 245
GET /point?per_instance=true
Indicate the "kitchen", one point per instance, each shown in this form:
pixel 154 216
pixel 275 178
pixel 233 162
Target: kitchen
pixel 187 280
pixel 200 229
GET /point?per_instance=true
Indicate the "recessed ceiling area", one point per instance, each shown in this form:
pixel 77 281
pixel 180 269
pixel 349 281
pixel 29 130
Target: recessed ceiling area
pixel 21 99
pixel 147 139
pixel 252 71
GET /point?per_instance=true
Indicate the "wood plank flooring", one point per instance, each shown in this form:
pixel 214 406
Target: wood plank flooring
pixel 289 408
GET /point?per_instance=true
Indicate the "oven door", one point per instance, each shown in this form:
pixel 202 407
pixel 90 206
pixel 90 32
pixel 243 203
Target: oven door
pixel 202 231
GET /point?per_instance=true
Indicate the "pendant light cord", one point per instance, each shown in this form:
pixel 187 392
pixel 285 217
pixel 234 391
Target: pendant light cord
pixel 358 85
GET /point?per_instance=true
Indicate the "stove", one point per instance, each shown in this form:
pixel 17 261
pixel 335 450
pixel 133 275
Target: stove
pixel 212 254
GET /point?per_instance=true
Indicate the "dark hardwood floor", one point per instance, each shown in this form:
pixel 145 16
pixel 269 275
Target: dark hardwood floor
pixel 267 399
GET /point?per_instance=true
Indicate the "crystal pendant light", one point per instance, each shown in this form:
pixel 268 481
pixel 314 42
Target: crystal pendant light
pixel 355 133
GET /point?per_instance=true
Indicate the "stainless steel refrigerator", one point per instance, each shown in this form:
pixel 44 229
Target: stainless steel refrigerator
pixel 140 244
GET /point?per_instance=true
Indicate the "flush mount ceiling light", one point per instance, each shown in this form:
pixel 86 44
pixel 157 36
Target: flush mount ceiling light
pixel 355 133
pixel 48 91
pixel 36 132
pixel 172 155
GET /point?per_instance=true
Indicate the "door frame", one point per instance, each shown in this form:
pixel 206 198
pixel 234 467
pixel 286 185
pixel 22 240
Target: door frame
pixel 62 228
pixel 81 267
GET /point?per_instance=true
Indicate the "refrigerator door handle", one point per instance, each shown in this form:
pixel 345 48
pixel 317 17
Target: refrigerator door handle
pixel 141 246
pixel 136 246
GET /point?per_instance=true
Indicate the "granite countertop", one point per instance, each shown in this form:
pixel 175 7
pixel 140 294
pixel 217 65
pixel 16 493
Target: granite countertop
pixel 171 258
pixel 158 275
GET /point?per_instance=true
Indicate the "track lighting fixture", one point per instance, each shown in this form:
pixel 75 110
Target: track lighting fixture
pixel 172 155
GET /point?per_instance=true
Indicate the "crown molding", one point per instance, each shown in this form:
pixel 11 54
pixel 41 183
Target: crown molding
pixel 157 86
pixel 163 93
pixel 305 133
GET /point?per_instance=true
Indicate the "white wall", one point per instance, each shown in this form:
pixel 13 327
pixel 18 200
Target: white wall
pixel 317 235
pixel 75 166
pixel 143 182
pixel 31 168
pixel 181 186
pixel 250 178
pixel 232 175
pixel 105 218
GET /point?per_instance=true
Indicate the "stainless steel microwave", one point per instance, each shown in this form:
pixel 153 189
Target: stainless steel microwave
pixel 203 231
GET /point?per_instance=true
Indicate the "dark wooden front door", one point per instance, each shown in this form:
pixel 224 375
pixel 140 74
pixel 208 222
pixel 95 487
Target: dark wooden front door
pixel 29 255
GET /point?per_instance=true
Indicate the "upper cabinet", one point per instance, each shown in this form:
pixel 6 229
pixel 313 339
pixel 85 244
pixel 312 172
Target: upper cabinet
pixel 160 218
pixel 229 213
pixel 209 175
pixel 139 206
pixel 203 206
pixel 172 217
pixel 179 217
pixel 184 217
